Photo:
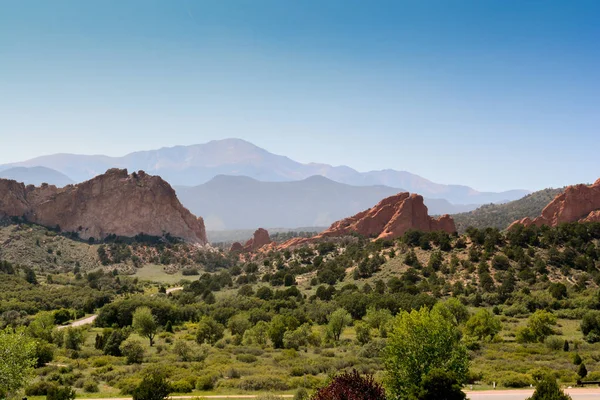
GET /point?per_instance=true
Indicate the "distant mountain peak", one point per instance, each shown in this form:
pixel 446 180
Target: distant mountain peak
pixel 196 164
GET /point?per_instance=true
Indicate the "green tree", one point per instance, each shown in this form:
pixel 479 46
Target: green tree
pixel 582 371
pixel 539 327
pixel 483 325
pixel 455 311
pixel 42 325
pixel 238 324
pixel 547 389
pixel 279 325
pixel 420 342
pixel 145 323
pixel 133 350
pixel 74 338
pixel 257 335
pixel 154 386
pixel 209 331
pixel 17 354
pixel 338 320
pixel 363 332
pixel 378 319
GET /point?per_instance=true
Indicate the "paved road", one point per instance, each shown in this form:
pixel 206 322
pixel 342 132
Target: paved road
pixel 85 321
pixel 576 394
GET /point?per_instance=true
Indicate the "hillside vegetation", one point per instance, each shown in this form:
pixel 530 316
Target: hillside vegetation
pixel 500 216
pixel 526 303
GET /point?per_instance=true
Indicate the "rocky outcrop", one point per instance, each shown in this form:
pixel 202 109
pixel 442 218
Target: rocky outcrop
pixel 389 219
pixel 236 247
pixel 259 239
pixel 112 203
pixel 576 203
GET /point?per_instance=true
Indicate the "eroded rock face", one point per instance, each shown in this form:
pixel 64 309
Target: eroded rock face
pixel 112 203
pixel 236 247
pixel 259 239
pixel 389 219
pixel 576 203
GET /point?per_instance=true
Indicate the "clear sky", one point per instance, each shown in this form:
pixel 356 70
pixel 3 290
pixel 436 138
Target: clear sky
pixel 495 94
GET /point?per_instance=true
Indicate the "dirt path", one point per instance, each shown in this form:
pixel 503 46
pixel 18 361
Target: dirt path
pixel 85 321
pixel 174 289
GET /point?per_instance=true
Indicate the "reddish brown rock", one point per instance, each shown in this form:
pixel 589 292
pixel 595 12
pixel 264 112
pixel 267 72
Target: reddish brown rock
pixel 389 219
pixel 259 239
pixel 112 203
pixel 236 247
pixel 594 216
pixel 576 203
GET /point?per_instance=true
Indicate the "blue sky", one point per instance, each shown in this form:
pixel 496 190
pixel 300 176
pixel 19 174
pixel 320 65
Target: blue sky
pixel 493 94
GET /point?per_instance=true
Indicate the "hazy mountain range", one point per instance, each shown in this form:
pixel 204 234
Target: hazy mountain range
pixel 198 164
pixel 239 202
pixel 36 176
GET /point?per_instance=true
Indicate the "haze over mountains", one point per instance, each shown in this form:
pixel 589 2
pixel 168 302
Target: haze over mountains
pixel 36 176
pixel 239 202
pixel 197 164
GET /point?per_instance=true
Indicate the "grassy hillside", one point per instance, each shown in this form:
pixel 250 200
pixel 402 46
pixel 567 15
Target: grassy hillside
pixel 501 215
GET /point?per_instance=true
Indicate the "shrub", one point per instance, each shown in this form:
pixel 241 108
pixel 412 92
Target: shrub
pixel 555 343
pixel 133 350
pixel 516 380
pixel 269 383
pixel 246 358
pixel 205 382
pixel 546 389
pixel 60 393
pixel 301 394
pixel 40 388
pixel 351 386
pixel 154 386
pixel 182 386
pixel 440 385
pixel 89 386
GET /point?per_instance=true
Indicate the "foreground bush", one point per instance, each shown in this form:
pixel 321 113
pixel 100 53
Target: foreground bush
pixel 154 386
pixel 351 386
pixel 547 389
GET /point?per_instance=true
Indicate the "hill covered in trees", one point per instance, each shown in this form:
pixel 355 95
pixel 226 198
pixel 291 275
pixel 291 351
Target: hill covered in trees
pixel 500 216
pixel 523 304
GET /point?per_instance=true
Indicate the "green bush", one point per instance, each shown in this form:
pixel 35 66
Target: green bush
pixel 516 380
pixel 262 383
pixel 206 382
pixel 182 386
pixel 39 388
pixel 90 386
pixel 246 358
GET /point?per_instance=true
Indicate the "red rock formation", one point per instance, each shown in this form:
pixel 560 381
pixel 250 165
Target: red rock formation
pixel 259 239
pixel 389 219
pixel 576 203
pixel 112 203
pixel 236 247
